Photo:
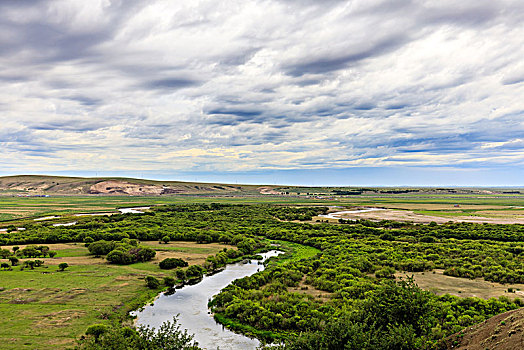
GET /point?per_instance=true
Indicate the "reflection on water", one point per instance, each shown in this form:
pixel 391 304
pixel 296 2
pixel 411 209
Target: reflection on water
pixel 190 302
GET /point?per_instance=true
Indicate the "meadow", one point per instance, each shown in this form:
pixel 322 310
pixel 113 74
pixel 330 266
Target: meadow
pixel 44 308
pixel 330 277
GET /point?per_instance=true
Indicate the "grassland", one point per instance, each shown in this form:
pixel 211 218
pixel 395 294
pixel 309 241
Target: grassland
pixel 440 284
pixel 47 309
pixel 495 206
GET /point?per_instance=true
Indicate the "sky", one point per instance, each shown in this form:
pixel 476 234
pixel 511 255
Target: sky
pixel 302 92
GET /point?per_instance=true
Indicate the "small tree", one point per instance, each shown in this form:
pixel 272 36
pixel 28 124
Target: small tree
pixel 52 254
pixel 44 249
pixel 15 249
pixel 4 253
pixel 5 266
pixel 96 330
pixel 14 260
pixel 63 266
pixel 166 239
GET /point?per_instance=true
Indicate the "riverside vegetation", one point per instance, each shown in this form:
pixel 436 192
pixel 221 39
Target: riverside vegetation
pixel 335 287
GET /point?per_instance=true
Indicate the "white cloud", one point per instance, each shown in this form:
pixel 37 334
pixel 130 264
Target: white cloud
pixel 244 85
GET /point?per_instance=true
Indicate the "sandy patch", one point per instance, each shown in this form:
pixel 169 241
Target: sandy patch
pixel 410 216
pixel 304 288
pixel 439 284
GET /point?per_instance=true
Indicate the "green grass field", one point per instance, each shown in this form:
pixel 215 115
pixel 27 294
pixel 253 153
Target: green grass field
pixel 47 309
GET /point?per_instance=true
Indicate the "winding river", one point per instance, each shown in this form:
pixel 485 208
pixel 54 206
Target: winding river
pixel 190 302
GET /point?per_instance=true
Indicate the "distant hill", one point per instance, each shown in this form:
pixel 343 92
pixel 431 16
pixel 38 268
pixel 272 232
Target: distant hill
pixel 59 185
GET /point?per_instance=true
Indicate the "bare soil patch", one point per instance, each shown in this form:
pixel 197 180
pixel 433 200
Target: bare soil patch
pixel 501 332
pixel 410 216
pixel 439 284
pixel 304 288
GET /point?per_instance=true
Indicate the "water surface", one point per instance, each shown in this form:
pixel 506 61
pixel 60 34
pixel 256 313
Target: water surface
pixel 190 302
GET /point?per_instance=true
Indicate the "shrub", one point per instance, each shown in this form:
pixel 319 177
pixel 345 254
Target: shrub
pixel 144 254
pixel 120 257
pixel 194 271
pixel 180 274
pixel 63 266
pixel 169 282
pixel 171 263
pixel 152 282
pixel 101 247
pixel 96 330
pixel 167 336
pixel 386 272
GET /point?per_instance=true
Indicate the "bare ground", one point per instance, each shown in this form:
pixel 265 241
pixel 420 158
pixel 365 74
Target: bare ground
pixel 304 288
pixel 439 284
pixel 501 332
pixel 410 216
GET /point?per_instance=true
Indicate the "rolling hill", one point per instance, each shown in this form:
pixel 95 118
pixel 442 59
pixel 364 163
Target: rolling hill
pixel 58 185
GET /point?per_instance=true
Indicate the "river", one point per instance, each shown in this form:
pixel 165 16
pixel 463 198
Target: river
pixel 190 302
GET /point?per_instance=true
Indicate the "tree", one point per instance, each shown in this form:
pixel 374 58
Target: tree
pixel 4 253
pixel 96 330
pixel 119 257
pixel 166 239
pixel 168 336
pixel 63 266
pixel 4 265
pixel 144 254
pixel 14 260
pixel 30 252
pixel 44 250
pixel 52 254
pixel 101 247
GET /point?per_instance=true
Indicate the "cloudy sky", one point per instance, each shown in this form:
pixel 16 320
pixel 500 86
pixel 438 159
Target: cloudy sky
pixel 362 92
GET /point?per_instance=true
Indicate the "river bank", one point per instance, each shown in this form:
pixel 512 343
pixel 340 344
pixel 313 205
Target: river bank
pixel 191 304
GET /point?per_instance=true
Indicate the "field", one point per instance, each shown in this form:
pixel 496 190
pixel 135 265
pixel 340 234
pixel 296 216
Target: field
pixel 329 269
pixel 47 309
pixel 483 207
pixel 438 283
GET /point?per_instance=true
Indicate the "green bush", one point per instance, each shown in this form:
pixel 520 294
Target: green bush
pixel 171 263
pixel 152 282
